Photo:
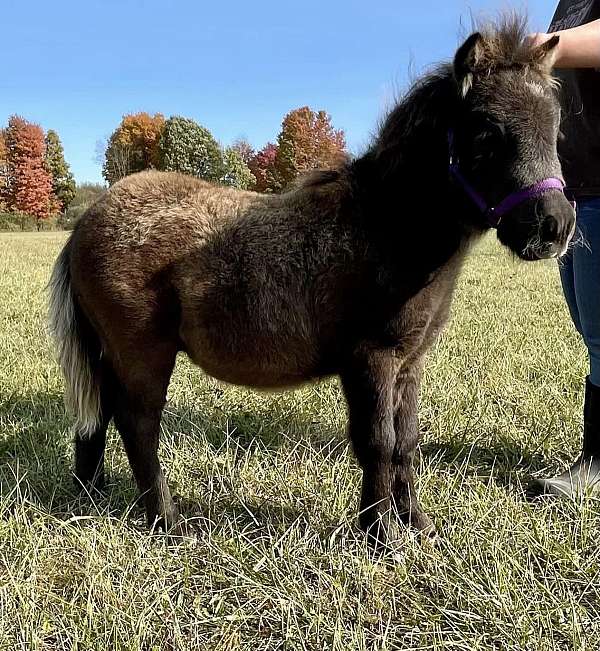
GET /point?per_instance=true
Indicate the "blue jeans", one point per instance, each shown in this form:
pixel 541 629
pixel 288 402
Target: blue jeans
pixel 580 275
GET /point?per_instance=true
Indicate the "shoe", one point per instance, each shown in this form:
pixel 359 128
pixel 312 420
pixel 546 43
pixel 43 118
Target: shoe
pixel 583 477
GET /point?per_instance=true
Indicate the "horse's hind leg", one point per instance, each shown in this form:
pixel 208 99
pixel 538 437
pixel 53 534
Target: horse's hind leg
pixel 139 401
pixel 89 446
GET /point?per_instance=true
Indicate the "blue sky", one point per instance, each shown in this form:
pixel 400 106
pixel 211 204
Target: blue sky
pixel 235 67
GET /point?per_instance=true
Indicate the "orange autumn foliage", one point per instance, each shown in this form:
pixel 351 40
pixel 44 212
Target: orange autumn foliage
pixel 307 141
pixel 133 146
pixel 28 183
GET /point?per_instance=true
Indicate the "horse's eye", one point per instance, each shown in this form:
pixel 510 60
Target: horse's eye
pixel 496 128
pixel 485 128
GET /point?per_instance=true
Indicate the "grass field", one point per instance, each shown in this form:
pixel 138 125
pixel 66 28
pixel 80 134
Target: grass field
pixel 269 480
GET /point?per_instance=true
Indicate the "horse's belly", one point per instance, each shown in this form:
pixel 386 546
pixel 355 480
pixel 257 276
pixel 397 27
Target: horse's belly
pixel 252 361
pixel 257 378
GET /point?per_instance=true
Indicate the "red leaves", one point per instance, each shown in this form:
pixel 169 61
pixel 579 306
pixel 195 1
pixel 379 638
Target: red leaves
pixel 28 183
pixel 307 141
pixel 262 166
pixel 3 170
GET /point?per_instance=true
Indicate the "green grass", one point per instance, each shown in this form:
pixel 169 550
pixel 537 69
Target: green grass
pixel 269 480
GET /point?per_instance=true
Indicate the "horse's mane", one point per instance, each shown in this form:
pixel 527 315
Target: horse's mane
pixel 434 96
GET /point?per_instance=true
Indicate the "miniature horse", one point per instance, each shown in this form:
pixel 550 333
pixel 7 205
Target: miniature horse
pixel 350 273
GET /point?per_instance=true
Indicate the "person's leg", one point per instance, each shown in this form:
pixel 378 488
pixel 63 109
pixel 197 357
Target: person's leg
pixel 567 277
pixel 586 268
pixel 580 275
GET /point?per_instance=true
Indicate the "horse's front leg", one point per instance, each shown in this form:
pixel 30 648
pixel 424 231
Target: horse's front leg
pixel 406 428
pixel 382 404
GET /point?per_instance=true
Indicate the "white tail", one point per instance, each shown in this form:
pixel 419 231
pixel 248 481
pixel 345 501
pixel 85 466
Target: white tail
pixel 77 348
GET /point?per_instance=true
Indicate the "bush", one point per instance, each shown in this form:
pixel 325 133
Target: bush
pixel 85 196
pixel 189 148
pixel 17 221
pixel 21 221
pixel 235 172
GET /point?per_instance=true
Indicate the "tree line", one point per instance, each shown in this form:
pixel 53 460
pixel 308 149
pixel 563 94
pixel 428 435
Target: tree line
pixel 36 180
pixel 307 140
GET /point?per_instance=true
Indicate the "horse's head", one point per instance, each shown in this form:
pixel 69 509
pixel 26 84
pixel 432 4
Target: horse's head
pixel 505 137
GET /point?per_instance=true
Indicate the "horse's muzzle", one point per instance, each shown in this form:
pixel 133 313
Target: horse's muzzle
pixel 555 233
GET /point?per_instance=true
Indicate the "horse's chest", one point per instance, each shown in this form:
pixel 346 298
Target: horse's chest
pixel 421 319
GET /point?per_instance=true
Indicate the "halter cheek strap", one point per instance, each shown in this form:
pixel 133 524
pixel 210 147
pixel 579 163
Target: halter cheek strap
pixel 494 214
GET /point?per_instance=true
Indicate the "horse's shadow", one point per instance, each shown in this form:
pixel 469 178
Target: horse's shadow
pixel 36 458
pixel 36 461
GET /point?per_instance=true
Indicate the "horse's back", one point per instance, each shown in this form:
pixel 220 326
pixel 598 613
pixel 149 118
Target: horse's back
pixel 225 275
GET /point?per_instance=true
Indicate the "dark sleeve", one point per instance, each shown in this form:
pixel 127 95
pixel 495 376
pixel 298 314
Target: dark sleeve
pixel 572 13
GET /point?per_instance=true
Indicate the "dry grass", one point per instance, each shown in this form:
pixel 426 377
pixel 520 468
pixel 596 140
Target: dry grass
pixel 272 488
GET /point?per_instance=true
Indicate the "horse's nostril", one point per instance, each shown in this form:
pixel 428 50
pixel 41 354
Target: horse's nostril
pixel 549 230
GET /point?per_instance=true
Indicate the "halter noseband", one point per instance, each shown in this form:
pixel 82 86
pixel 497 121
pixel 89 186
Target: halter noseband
pixel 494 214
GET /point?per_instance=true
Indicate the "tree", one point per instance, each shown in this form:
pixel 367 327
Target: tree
pixel 118 161
pixel 3 170
pixel 133 146
pixel 29 184
pixel 187 147
pixel 244 149
pixel 235 172
pixel 85 195
pixel 307 141
pixel 262 167
pixel 63 183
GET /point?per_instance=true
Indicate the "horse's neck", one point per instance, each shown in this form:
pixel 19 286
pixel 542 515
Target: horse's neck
pixel 411 210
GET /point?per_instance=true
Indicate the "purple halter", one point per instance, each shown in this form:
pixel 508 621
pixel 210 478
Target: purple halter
pixel 494 214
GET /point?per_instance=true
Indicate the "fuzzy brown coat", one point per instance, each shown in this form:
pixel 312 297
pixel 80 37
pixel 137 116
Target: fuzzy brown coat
pixel 350 273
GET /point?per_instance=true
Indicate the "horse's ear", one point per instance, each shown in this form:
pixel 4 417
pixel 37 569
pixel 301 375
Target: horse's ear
pixel 465 62
pixel 546 53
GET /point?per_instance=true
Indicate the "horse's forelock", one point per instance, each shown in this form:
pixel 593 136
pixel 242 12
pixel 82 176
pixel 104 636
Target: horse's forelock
pixel 504 45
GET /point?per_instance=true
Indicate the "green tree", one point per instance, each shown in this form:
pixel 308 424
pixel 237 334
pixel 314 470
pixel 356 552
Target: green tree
pixel 187 147
pixel 235 171
pixel 244 149
pixel 63 183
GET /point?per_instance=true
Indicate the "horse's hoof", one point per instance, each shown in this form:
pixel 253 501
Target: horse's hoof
pixel 383 537
pixel 174 527
pixel 423 525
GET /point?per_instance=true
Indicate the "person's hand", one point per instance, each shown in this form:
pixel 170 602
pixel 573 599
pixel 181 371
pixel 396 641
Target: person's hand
pixel 579 47
pixel 533 40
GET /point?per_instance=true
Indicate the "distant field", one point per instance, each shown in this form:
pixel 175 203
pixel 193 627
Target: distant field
pixel 278 562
